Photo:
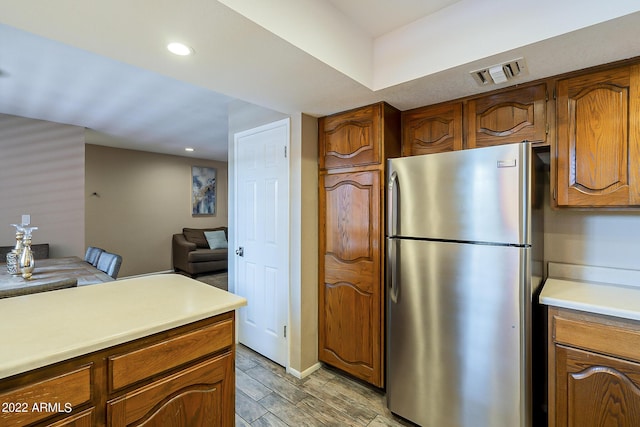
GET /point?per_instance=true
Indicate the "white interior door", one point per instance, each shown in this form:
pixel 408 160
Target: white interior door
pixel 262 237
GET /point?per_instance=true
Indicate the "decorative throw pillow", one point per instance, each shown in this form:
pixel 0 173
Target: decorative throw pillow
pixel 195 235
pixel 216 239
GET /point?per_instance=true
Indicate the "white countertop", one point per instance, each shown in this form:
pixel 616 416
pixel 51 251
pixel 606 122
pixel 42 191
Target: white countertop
pixel 40 329
pixel 600 290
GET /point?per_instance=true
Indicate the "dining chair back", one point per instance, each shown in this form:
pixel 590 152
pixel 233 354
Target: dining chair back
pixel 109 263
pixel 40 250
pixel 92 255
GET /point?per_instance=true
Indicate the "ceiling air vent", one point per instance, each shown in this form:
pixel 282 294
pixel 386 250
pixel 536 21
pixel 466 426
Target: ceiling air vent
pixel 499 73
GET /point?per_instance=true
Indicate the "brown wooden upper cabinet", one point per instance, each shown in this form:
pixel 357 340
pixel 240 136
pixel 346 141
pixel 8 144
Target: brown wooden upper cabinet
pixel 598 147
pixel 351 138
pixel 508 117
pixel 432 129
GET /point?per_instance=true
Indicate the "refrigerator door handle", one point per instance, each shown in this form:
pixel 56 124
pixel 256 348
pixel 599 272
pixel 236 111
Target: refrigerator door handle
pixel 393 195
pixel 392 269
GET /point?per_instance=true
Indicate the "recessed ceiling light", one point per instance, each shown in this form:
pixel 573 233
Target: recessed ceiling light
pixel 189 149
pixel 180 49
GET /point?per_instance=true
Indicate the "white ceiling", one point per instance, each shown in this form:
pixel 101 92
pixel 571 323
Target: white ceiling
pixel 381 17
pixel 102 65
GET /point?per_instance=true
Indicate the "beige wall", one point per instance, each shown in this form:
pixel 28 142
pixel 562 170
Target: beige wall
pixel 591 237
pixel 42 174
pixel 142 200
pixel 309 248
pixel 605 239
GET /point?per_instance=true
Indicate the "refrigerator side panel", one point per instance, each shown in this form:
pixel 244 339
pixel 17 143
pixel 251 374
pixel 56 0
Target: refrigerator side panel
pixel 479 195
pixel 538 311
pixel 457 334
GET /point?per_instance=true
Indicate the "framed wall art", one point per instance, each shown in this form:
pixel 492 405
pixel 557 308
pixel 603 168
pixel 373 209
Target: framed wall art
pixel 203 191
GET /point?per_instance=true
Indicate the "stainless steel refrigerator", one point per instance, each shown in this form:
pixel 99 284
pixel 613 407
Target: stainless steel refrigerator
pixel 464 262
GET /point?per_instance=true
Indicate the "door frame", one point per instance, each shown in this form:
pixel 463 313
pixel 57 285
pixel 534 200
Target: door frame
pixel 233 237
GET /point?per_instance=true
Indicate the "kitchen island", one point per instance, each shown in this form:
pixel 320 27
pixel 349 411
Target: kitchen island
pixel 593 346
pixel 157 348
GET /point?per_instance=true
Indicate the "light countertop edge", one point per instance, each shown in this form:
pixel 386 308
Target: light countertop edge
pixel 614 300
pixel 46 328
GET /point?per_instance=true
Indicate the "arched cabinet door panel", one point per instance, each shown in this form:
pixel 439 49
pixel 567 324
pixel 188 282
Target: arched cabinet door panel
pixel 508 117
pixel 351 138
pixel 596 390
pixel 432 129
pixel 196 396
pixel 599 139
pixel 350 291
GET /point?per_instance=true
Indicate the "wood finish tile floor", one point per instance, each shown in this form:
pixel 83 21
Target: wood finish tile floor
pixel 267 396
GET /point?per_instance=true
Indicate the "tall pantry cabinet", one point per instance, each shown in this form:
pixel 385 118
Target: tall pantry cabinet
pixel 354 146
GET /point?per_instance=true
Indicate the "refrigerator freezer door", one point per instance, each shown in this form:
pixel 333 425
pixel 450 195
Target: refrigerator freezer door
pixel 478 195
pixel 457 342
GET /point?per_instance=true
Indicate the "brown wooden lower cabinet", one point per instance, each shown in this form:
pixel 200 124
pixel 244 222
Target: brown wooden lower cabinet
pixel 81 419
pixel 351 333
pixel 181 377
pixel 594 371
pixel 595 390
pixel 40 398
pixel 196 398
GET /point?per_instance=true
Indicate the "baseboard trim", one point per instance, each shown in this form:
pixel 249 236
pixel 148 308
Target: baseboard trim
pixel 146 274
pixel 304 373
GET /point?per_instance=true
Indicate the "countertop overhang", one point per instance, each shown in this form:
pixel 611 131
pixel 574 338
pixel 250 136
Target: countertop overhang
pixel 45 328
pixel 601 290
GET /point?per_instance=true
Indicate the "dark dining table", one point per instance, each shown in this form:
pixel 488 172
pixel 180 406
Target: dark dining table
pixel 51 274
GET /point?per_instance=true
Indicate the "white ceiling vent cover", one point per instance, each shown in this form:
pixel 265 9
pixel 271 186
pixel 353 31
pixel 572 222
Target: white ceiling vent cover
pixel 499 73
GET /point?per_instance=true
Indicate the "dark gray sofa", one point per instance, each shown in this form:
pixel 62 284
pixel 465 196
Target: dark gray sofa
pixel 191 253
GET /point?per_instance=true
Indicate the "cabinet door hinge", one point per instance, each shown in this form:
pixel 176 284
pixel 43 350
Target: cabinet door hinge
pixel 546 95
pixel 554 193
pixel 546 129
pixel 285 151
pixel 285 331
pixel 555 95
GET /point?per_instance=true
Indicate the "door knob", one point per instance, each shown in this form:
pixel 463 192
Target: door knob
pixel 240 251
